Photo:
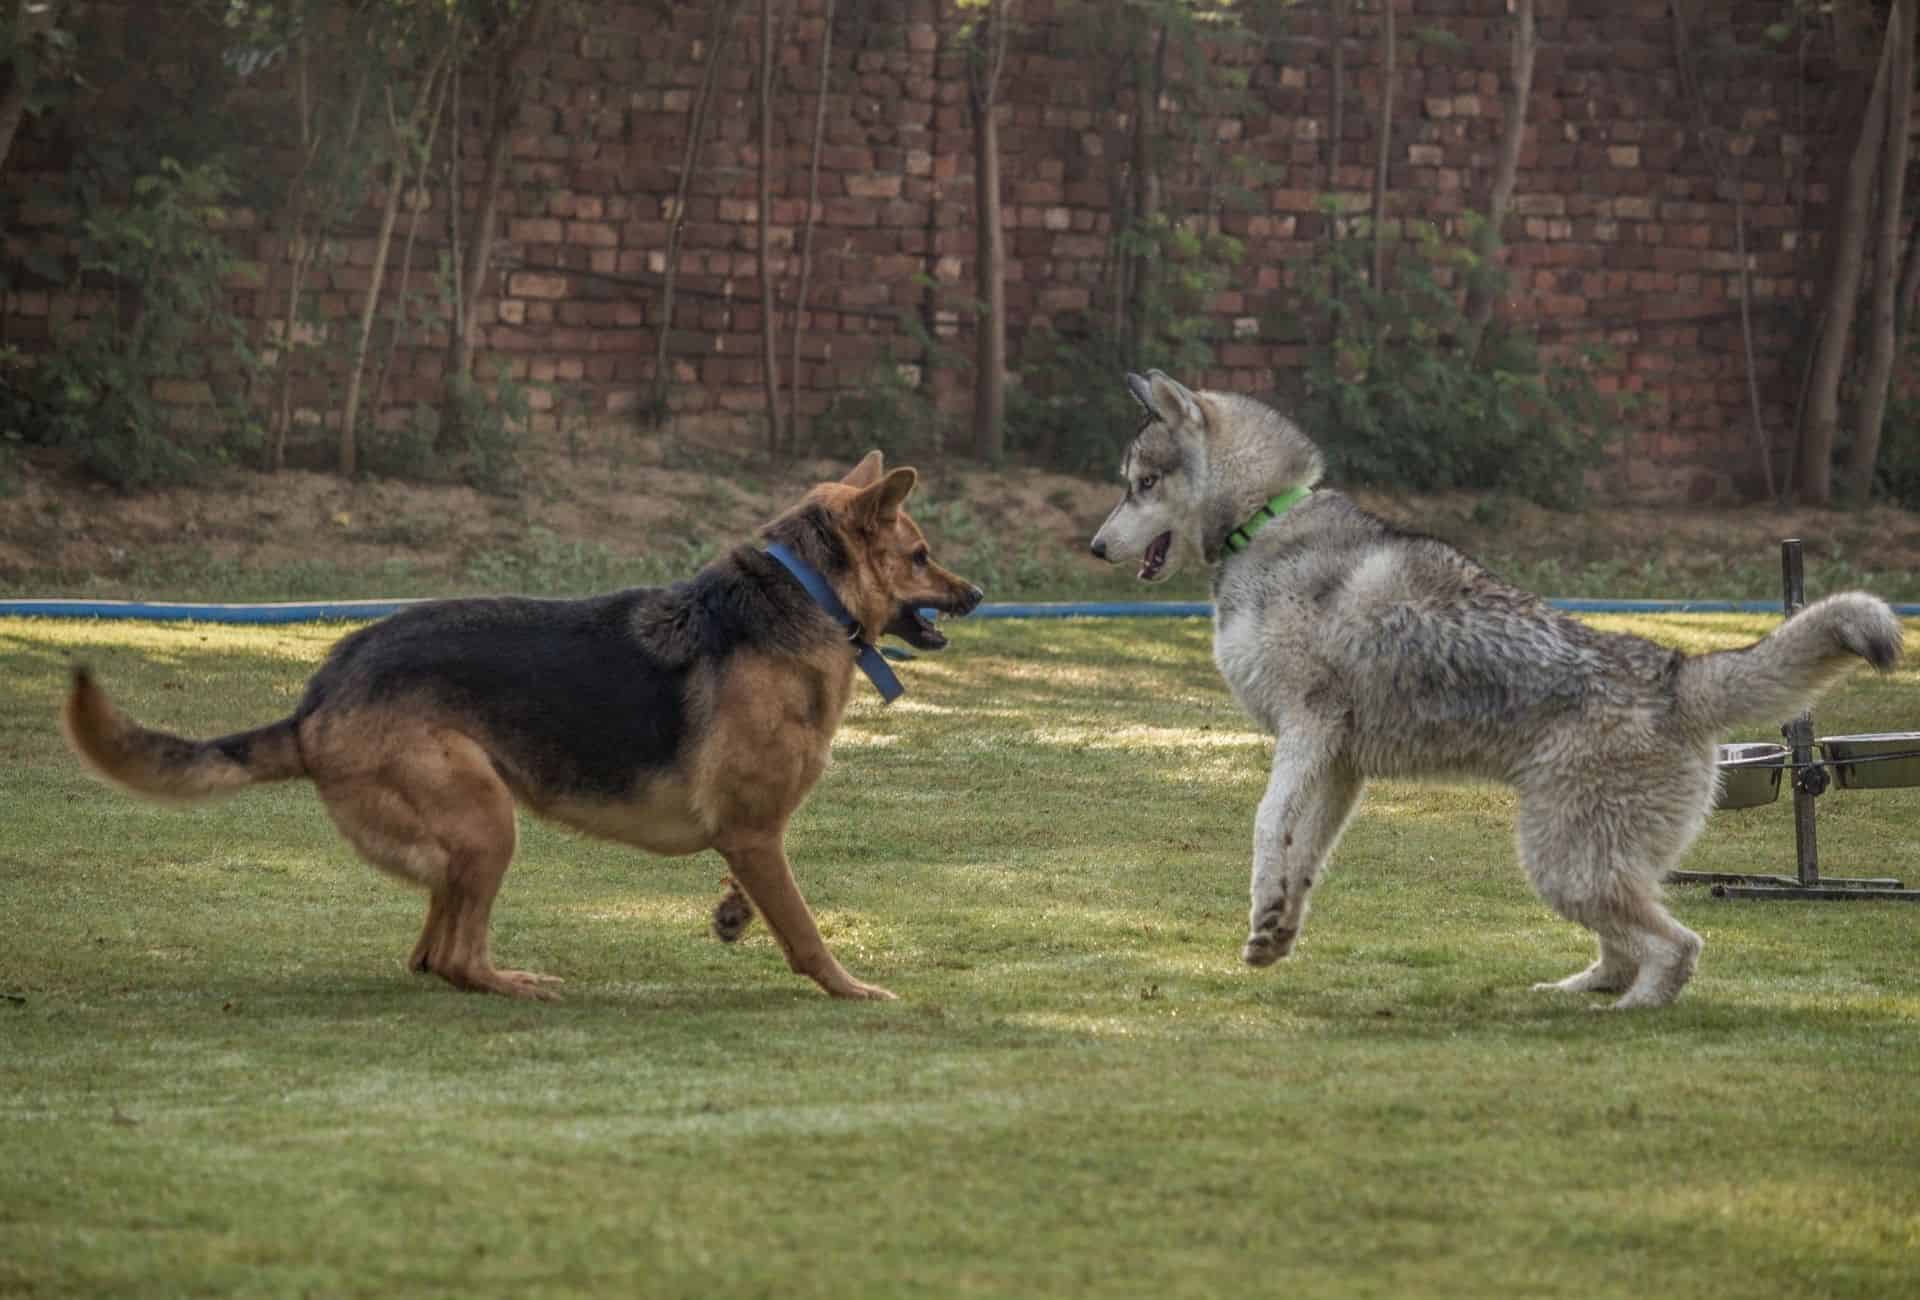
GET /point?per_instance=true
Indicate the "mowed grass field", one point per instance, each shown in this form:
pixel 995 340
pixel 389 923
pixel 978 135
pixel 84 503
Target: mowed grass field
pixel 216 1077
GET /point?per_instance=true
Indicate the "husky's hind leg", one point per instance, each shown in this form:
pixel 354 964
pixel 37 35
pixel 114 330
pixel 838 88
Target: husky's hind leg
pixel 1597 864
pixel 1668 953
pixel 1310 794
pixel 1612 973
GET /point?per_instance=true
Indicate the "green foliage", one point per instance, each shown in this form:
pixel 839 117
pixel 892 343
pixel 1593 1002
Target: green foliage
pixel 891 410
pixel 487 427
pixel 1896 474
pixel 1070 409
pixel 1394 399
pixel 154 262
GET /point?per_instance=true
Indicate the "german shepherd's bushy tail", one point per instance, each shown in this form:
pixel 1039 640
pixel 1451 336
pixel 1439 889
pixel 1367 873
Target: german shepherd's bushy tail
pixel 1780 675
pixel 156 765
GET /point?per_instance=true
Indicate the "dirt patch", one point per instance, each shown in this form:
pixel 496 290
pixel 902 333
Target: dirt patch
pixel 647 495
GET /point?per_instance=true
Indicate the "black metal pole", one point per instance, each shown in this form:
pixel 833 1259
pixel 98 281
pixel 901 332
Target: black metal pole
pixel 1799 732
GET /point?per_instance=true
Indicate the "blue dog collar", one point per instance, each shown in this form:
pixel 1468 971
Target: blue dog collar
pixel 871 662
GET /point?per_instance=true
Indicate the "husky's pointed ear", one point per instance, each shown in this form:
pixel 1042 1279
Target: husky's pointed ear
pixel 1170 400
pixel 879 503
pixel 866 473
pixel 1142 394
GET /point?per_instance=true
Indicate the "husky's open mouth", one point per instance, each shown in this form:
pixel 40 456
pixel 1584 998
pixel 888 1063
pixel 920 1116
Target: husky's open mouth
pixel 1156 557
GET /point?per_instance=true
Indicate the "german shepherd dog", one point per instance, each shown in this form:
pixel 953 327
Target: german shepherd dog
pixel 1372 652
pixel 677 719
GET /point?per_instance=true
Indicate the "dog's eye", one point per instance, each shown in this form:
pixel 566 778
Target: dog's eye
pixel 920 558
pixel 1147 481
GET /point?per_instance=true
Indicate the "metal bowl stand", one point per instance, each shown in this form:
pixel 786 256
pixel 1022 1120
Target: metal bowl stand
pixel 1809 780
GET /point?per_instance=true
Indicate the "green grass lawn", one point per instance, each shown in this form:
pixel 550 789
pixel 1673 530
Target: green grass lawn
pixel 216 1078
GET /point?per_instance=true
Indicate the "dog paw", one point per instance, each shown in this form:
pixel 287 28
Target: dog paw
pixel 732 915
pixel 527 984
pixel 1266 949
pixel 859 991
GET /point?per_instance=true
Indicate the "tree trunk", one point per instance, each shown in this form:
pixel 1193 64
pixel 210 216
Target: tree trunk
pixel 510 74
pixel 1384 142
pixel 769 367
pixel 813 198
pixel 1711 146
pixel 1150 65
pixel 349 455
pixel 1822 416
pixel 33 21
pixel 990 257
pixel 1336 131
pixel 1857 482
pixel 1486 277
pixel 719 28
pixel 415 202
pixel 401 139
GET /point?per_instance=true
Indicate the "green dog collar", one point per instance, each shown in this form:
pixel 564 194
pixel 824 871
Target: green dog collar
pixel 1239 538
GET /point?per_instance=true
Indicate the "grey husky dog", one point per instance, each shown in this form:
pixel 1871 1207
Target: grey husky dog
pixel 1368 651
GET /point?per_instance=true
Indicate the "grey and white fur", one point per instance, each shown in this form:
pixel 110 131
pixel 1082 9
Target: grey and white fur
pixel 1368 651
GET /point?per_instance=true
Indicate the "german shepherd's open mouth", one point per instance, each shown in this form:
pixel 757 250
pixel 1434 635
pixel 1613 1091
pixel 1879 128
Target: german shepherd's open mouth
pixel 911 624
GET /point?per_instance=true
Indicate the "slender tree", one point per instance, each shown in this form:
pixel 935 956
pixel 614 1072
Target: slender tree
pixel 769 367
pixel 1882 342
pixel 514 41
pixel 720 16
pixel 986 59
pixel 805 270
pixel 1713 146
pixel 1147 197
pixel 1336 132
pixel 326 163
pixel 1383 138
pixel 1820 417
pixel 1513 131
pixel 404 138
pixel 33 26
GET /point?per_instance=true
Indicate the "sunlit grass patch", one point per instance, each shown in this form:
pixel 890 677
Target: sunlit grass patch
pixel 216 1077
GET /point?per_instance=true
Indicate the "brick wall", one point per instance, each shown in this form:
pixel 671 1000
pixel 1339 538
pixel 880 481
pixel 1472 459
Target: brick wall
pixel 1619 234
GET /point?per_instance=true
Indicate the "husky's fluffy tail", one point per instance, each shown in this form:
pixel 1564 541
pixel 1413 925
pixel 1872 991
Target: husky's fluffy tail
pixel 159 766
pixel 1779 676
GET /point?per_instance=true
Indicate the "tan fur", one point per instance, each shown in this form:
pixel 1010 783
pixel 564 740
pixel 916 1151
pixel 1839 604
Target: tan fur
pixel 421 792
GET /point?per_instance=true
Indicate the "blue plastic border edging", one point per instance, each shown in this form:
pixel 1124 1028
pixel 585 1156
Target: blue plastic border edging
pixel 354 610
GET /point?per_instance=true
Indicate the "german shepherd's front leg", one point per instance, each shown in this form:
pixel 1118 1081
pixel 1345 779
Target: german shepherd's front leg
pixel 1310 795
pixel 760 869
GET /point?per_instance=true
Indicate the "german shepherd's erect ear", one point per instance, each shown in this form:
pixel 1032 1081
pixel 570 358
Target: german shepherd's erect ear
pixel 866 473
pixel 879 505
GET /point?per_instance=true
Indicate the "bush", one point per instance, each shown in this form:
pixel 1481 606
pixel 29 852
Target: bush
pixel 1393 397
pixel 157 259
pixel 1071 409
pixel 889 411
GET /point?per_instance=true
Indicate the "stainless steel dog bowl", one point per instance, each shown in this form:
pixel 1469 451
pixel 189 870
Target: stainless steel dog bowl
pixel 1841 750
pixel 1749 775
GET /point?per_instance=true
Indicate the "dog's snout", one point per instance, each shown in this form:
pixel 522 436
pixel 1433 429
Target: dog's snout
pixel 972 599
pixel 1099 549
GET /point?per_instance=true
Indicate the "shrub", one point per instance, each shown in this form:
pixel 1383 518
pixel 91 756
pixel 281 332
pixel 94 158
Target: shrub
pixel 156 259
pixel 1393 397
pixel 890 411
pixel 1070 409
